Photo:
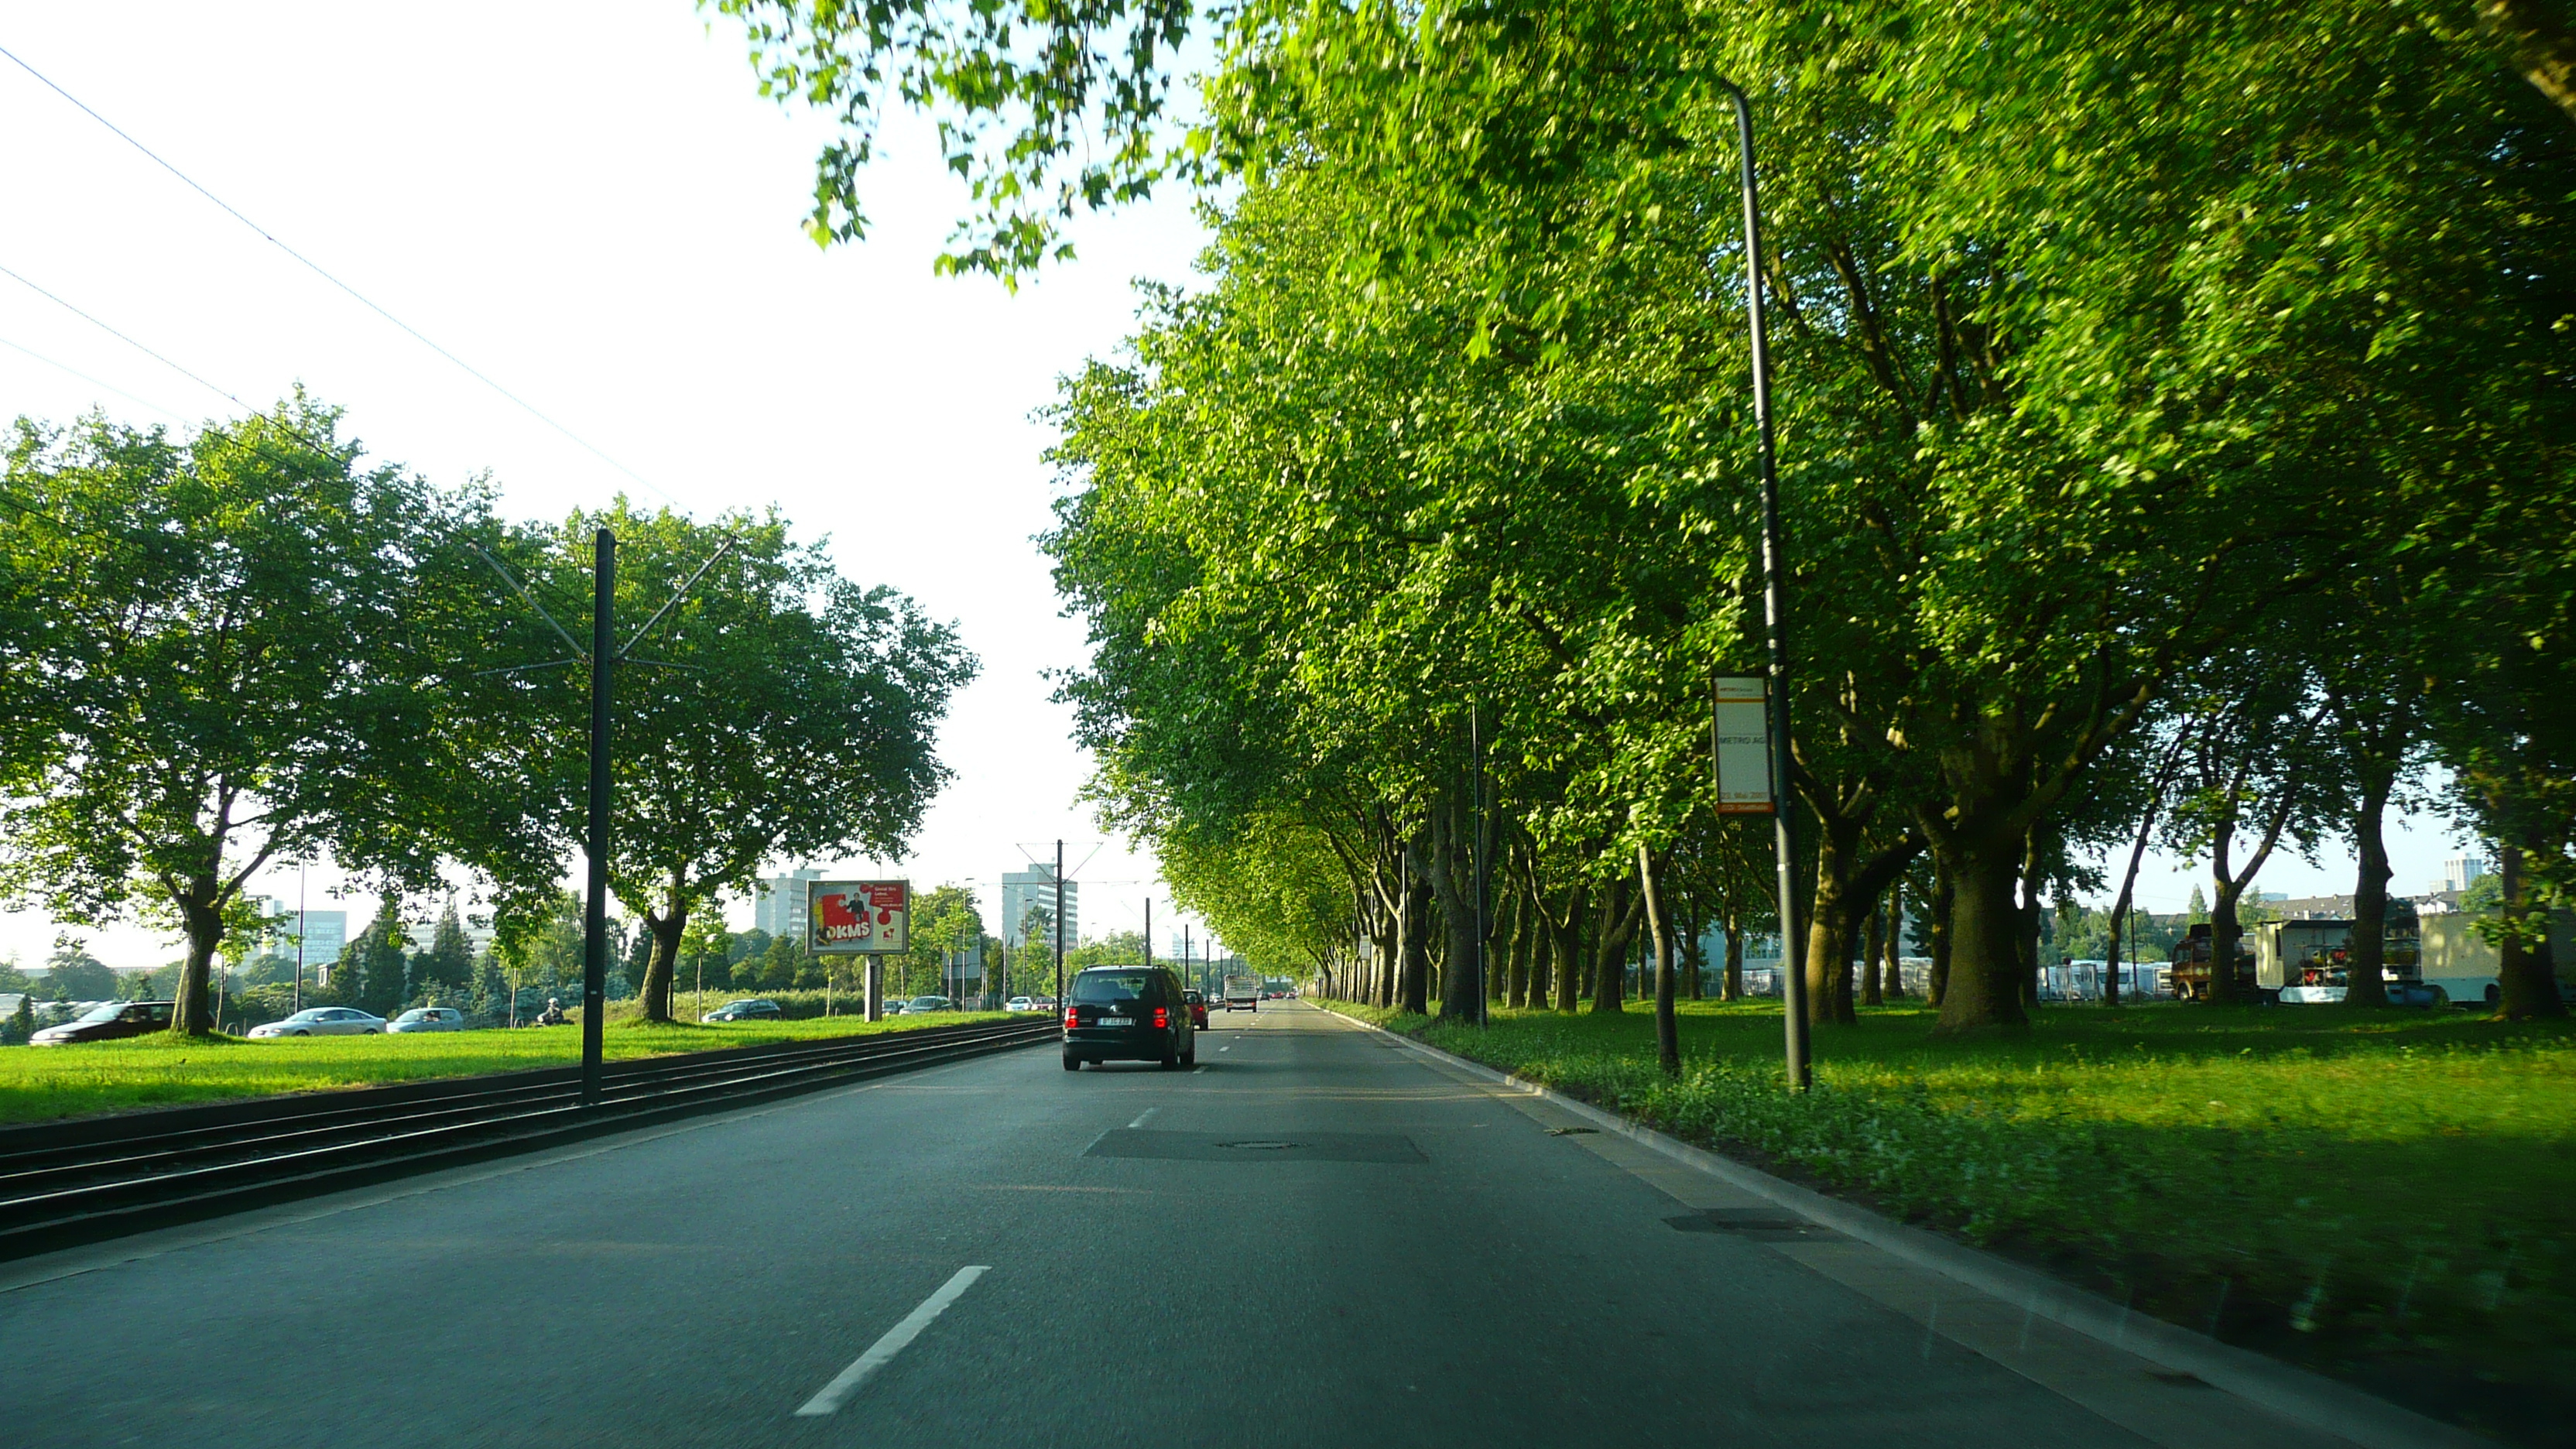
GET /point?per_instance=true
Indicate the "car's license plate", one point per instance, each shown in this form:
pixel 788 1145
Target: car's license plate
pixel 1117 1021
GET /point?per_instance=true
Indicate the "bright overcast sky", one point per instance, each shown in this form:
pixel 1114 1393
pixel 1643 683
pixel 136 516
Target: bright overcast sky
pixel 590 203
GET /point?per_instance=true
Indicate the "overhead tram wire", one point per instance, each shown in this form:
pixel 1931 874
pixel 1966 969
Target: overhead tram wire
pixel 92 381
pixel 318 270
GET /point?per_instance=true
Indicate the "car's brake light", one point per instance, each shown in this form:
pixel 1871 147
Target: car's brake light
pixel 1162 1017
pixel 1069 1022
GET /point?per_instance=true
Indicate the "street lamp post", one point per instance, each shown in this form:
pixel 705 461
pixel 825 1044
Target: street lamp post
pixel 1784 821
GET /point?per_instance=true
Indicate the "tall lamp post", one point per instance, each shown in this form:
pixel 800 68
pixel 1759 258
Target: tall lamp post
pixel 1784 820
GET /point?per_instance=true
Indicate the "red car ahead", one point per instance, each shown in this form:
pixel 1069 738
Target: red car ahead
pixel 1198 1009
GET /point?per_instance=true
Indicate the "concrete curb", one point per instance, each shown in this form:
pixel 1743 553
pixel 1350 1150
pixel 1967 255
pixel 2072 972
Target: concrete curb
pixel 2293 1393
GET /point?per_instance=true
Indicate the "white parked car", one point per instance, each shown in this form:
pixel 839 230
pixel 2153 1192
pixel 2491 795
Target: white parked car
pixel 323 1021
pixel 429 1018
pixel 1020 1003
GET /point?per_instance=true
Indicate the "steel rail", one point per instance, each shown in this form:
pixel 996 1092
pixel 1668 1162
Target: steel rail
pixel 52 1195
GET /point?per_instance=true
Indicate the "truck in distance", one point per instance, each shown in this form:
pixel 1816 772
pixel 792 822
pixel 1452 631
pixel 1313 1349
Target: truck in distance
pixel 1243 992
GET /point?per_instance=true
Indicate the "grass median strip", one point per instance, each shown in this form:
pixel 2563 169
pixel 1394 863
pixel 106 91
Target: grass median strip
pixel 2381 1197
pixel 46 1083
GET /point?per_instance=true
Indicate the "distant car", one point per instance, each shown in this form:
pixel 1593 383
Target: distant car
pixel 754 1010
pixel 1198 1009
pixel 324 1021
pixel 920 1004
pixel 1020 1003
pixel 107 1021
pixel 1128 1013
pixel 428 1018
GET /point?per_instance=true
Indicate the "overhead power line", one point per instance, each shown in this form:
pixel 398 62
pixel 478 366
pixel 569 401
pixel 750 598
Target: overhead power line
pixel 92 381
pixel 318 270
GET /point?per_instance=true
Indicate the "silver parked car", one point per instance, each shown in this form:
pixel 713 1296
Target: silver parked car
pixel 429 1018
pixel 324 1021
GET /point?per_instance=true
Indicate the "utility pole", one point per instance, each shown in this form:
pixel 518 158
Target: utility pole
pixel 1059 925
pixel 1775 618
pixel 594 922
pixel 300 867
pixel 602 657
pixel 1149 939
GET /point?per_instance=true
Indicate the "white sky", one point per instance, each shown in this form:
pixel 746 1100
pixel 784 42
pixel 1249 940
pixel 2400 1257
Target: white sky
pixel 589 202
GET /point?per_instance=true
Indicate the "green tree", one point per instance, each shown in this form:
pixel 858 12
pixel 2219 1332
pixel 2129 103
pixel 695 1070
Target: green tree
pixel 798 721
pixel 21 1024
pixel 235 658
pixel 72 974
pixel 374 971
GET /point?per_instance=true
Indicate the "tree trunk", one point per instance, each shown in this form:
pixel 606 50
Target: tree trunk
pixel 663 964
pixel 1732 986
pixel 2030 919
pixel 1891 960
pixel 1568 934
pixel 2365 980
pixel 1453 882
pixel 1945 897
pixel 1830 928
pixel 201 915
pixel 2225 931
pixel 1615 918
pixel 1668 1041
pixel 1977 955
pixel 1414 991
pixel 1873 948
pixel 2526 975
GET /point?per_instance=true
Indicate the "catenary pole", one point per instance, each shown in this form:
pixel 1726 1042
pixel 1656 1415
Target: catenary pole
pixel 1059 925
pixel 594 925
pixel 1775 618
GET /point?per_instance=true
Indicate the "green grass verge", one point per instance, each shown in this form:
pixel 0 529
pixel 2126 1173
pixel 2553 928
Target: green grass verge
pixel 42 1083
pixel 2384 1198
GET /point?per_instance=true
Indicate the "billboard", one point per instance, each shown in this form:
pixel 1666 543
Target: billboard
pixel 858 917
pixel 1740 738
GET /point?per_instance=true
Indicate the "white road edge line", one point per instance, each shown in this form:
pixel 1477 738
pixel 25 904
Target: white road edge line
pixel 882 1352
pixel 1143 1117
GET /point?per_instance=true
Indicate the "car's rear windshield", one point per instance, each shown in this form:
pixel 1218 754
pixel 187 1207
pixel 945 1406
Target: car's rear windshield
pixel 1097 987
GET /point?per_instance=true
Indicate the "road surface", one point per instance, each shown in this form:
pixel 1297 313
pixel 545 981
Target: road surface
pixel 1315 1239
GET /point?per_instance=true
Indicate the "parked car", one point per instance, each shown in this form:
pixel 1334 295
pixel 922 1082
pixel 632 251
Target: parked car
pixel 1020 1003
pixel 758 1009
pixel 324 1021
pixel 1198 1009
pixel 428 1018
pixel 920 1004
pixel 1131 1014
pixel 107 1021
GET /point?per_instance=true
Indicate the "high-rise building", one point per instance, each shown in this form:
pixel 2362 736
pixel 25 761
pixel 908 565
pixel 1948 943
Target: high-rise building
pixel 1031 892
pixel 323 934
pixel 778 903
pixel 2462 871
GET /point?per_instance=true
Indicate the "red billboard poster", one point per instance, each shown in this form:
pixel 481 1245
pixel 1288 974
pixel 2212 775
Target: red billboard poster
pixel 858 917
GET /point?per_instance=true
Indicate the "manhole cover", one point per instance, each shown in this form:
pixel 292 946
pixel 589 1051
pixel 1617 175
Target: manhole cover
pixel 1258 1146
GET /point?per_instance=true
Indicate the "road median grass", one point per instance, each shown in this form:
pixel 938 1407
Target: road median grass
pixel 49 1083
pixel 2385 1198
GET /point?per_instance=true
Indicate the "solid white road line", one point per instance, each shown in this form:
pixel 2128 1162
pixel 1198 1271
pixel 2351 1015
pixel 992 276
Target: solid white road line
pixel 1143 1117
pixel 882 1352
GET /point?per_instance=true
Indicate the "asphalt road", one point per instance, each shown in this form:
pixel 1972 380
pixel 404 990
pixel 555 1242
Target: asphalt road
pixel 1316 1239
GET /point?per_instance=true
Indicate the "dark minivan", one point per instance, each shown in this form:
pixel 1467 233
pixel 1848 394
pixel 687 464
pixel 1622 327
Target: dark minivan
pixel 1128 1014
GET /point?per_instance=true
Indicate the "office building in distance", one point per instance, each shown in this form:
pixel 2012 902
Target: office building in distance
pixel 1032 892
